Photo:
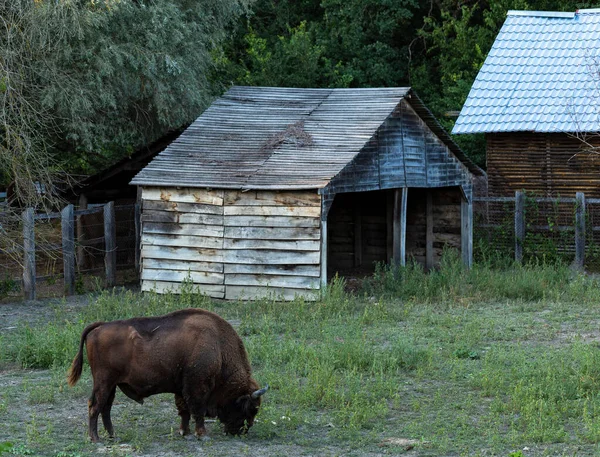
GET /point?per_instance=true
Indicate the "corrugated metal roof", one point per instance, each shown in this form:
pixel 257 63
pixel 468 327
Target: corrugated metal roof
pixel 541 75
pixel 279 138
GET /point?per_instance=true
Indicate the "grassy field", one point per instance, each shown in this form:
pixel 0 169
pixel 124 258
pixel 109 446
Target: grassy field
pixel 491 361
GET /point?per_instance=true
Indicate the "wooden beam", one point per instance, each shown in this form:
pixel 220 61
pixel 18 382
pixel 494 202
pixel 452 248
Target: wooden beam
pixel 519 225
pixel 68 247
pixel 429 232
pixel 466 232
pixel 83 204
pixel 29 254
pixel 357 237
pixel 399 226
pixel 580 230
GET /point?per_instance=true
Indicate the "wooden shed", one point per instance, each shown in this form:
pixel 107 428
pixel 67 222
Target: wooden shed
pixel 273 190
pixel 536 100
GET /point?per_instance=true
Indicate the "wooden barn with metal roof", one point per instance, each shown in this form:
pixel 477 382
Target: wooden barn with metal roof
pixel 273 190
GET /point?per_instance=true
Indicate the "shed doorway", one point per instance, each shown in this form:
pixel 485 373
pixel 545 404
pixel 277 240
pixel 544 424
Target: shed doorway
pixel 360 228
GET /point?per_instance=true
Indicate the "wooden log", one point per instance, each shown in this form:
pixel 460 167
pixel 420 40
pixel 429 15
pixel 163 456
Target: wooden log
pixel 110 244
pixel 429 232
pixel 68 248
pixel 580 230
pixel 29 254
pixel 519 225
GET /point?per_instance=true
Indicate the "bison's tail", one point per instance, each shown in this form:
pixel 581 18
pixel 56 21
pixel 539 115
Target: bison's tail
pixel 75 371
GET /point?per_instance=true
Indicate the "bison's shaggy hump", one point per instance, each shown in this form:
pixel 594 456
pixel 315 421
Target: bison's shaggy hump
pixel 192 353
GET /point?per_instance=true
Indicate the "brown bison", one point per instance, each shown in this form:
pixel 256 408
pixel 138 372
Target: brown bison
pixel 191 353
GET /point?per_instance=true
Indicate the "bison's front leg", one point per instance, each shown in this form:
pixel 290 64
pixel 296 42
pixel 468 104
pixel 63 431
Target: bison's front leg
pixel 184 413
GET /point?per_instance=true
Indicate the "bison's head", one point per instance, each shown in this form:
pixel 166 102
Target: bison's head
pixel 238 416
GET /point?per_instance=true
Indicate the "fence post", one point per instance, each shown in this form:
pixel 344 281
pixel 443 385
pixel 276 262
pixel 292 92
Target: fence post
pixel 110 245
pixel 29 254
pixel 519 225
pixel 579 229
pixel 68 247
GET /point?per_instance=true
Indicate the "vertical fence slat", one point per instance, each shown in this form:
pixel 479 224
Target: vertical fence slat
pixel 399 249
pixel 137 221
pixel 29 254
pixel 519 225
pixel 579 230
pixel 110 244
pixel 68 247
pixel 466 232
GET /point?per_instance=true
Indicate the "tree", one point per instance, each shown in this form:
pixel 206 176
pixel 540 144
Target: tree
pixel 84 82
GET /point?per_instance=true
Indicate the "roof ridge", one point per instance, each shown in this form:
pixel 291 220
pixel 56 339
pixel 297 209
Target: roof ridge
pixel 556 14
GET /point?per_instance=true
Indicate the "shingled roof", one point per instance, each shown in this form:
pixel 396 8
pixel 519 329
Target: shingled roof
pixel 541 75
pixel 281 138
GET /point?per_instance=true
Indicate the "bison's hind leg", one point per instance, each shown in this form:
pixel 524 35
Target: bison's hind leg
pixel 184 413
pixel 101 394
pixel 106 420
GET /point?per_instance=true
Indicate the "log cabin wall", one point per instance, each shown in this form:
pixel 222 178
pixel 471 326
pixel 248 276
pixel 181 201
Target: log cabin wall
pixel 544 164
pixel 231 244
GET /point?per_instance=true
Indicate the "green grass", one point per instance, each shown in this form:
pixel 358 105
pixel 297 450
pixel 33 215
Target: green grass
pixel 481 362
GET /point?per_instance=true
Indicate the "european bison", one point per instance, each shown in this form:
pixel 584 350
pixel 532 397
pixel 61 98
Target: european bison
pixel 191 353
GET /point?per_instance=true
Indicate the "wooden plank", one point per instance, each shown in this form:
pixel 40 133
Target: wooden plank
pixel 580 230
pixel 181 218
pixel 287 281
pixel 137 221
pixel 270 198
pixel 270 257
pixel 212 290
pixel 175 253
pixel 29 254
pixel 429 232
pixel 185 195
pixel 305 245
pixel 183 265
pixel 197 277
pixel 399 250
pixel 270 221
pixel 110 244
pixel 182 241
pixel 519 225
pixel 280 270
pixel 169 228
pixel 277 293
pixel 273 233
pixel 68 248
pixel 389 213
pixel 295 211
pixel 198 208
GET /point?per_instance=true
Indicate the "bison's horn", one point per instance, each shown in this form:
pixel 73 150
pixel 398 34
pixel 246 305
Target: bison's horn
pixel 259 392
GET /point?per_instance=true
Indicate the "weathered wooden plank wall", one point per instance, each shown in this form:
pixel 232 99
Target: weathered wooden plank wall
pixel 232 244
pixel 544 164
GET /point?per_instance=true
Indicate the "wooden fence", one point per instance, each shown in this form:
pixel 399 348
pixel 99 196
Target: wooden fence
pixel 68 218
pixel 574 219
